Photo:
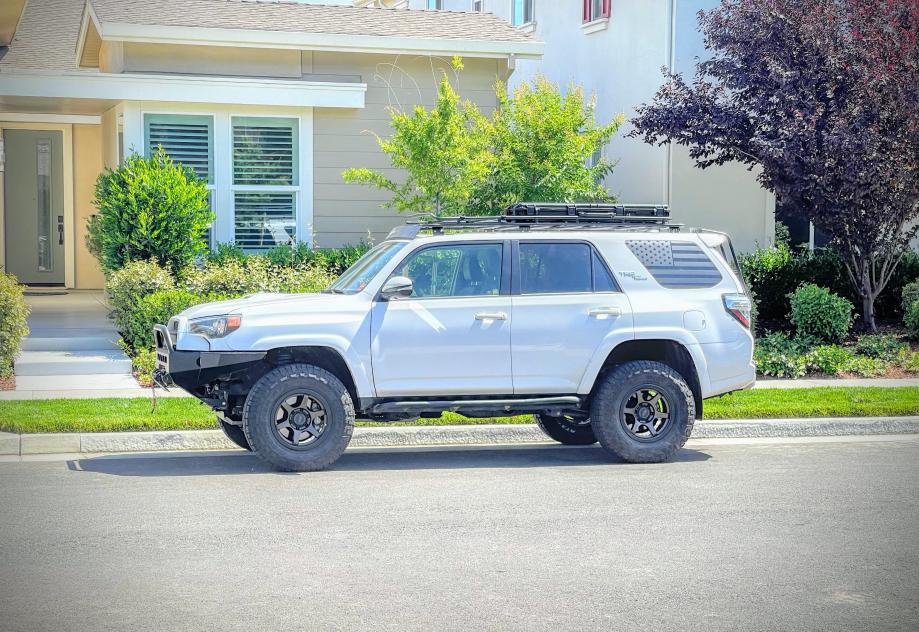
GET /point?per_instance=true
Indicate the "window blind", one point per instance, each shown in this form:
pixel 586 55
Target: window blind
pixel 186 139
pixel 264 151
pixel 265 219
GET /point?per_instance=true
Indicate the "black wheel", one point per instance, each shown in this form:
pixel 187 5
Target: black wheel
pixel 234 433
pixel 298 418
pixel 566 429
pixel 643 412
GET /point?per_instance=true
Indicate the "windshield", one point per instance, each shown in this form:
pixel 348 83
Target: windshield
pixel 364 269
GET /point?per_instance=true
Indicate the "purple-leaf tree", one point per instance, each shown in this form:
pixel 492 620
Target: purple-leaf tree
pixel 823 97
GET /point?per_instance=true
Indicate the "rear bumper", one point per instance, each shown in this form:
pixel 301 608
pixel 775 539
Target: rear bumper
pixel 192 371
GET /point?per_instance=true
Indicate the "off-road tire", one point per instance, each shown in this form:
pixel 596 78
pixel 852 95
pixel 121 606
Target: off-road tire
pixel 565 430
pixel 619 384
pixel 262 405
pixel 234 433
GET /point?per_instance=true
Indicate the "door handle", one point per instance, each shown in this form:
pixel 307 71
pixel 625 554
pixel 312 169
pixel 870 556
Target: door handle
pixel 491 316
pixel 605 311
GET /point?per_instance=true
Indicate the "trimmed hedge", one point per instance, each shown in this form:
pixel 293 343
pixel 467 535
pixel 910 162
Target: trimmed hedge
pixel 14 312
pixel 817 312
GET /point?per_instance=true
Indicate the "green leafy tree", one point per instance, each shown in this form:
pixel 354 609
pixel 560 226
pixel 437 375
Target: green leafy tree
pixel 149 208
pixel 546 147
pixel 538 145
pixel 440 151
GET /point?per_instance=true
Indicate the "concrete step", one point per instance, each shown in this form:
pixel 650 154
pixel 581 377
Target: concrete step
pixel 112 384
pixel 87 362
pixel 89 342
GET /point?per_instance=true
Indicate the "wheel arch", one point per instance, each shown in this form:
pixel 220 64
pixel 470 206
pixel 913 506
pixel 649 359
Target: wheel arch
pixel 664 350
pixel 326 358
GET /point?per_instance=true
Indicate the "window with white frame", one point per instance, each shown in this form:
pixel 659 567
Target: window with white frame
pixel 596 9
pixel 521 12
pixel 478 5
pixel 265 181
pixel 436 4
pixel 188 140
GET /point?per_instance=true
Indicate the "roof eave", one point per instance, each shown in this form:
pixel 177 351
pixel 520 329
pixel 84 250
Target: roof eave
pixel 245 38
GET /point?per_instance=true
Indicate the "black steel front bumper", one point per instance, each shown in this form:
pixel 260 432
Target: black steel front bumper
pixel 195 371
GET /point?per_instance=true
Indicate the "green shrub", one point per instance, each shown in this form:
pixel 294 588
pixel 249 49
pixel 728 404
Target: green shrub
pixel 14 312
pixel 778 355
pixel 911 320
pixel 867 367
pixel 149 208
pixel 156 309
pixel 131 283
pixel 909 295
pixel 255 274
pixel 225 252
pixel 909 361
pixel 884 347
pixel 144 361
pixel 829 359
pixel 815 311
pixel 768 273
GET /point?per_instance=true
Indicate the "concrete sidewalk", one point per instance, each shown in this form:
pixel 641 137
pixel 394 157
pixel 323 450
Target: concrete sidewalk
pixel 102 391
pixel 15 445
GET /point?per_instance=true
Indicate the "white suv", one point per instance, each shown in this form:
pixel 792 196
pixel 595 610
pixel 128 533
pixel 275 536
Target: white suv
pixel 606 322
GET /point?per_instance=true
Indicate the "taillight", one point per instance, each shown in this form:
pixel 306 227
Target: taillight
pixel 738 306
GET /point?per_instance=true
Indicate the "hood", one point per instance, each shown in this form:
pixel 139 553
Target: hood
pixel 262 301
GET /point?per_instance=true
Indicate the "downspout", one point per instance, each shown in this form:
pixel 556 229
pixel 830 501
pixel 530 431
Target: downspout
pixel 671 65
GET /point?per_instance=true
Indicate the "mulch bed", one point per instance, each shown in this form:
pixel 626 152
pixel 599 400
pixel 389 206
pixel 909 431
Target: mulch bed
pixel 8 383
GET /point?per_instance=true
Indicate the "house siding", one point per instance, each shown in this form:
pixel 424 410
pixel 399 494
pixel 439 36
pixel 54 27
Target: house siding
pixel 346 213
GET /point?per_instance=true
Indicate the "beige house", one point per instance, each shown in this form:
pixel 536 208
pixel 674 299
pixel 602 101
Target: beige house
pixel 267 101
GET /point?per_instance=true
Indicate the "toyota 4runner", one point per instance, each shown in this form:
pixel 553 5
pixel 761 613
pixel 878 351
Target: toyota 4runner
pixel 606 322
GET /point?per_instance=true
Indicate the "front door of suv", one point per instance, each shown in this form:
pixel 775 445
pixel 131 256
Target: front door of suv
pixel 452 336
pixel 566 306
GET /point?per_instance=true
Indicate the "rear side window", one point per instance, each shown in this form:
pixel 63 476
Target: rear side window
pixel 676 264
pixel 562 268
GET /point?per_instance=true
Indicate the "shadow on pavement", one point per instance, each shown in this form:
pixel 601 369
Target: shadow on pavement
pixel 212 464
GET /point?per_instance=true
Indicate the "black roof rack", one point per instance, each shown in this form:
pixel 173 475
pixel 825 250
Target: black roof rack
pixel 547 215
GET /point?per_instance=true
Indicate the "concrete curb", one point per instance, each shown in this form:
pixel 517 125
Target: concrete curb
pixel 498 434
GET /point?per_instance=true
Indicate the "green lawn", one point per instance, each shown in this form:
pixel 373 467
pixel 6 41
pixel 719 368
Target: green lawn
pixel 107 415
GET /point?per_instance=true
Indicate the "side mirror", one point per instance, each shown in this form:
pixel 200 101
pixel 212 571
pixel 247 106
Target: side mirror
pixel 397 287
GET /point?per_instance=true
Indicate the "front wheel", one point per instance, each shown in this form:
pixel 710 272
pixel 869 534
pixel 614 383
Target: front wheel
pixel 643 412
pixel 567 430
pixel 299 418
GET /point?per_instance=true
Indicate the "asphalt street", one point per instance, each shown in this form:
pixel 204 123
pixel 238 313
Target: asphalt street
pixel 759 535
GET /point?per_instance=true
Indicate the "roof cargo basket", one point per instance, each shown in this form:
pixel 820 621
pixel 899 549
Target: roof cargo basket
pixel 556 213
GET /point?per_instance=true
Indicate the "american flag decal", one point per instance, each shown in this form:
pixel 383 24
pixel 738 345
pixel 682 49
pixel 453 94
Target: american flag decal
pixel 675 264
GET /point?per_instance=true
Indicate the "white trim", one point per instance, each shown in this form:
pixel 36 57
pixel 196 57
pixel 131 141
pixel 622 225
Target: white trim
pixel 185 88
pixel 247 38
pixel 527 27
pixel 29 117
pixel 305 198
pixel 594 26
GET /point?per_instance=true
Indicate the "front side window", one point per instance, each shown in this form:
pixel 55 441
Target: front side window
pixel 521 12
pixel 454 270
pixel 265 181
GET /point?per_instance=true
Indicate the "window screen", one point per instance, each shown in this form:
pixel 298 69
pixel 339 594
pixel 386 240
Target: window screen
pixel 553 268
pixel 676 264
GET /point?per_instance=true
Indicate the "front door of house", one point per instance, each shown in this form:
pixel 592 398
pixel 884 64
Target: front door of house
pixel 34 205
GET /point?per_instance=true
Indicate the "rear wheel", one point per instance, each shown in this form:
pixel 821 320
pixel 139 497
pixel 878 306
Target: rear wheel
pixel 234 433
pixel 566 429
pixel 643 412
pixel 299 418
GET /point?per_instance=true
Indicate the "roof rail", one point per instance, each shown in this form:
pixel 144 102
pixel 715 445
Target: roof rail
pixel 545 215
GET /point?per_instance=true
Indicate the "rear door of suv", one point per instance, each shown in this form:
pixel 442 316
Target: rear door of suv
pixel 565 304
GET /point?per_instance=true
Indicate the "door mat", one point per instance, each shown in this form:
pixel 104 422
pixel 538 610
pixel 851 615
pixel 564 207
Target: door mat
pixel 49 293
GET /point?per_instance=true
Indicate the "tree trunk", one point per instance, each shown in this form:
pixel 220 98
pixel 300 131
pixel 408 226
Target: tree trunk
pixel 868 311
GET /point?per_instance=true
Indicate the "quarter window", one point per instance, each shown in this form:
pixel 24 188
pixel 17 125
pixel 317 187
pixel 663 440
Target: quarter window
pixel 675 264
pixel 457 270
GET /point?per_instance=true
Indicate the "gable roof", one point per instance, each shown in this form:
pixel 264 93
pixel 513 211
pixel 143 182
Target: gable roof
pixel 46 36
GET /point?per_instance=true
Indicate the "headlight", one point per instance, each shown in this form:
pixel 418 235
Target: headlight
pixel 215 326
